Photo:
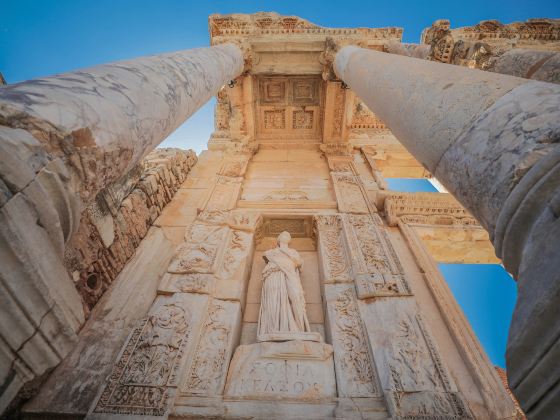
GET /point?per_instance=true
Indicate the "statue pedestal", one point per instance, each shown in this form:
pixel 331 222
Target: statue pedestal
pixel 290 336
pixel 294 370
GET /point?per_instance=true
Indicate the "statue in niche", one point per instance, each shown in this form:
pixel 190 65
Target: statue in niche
pixel 282 314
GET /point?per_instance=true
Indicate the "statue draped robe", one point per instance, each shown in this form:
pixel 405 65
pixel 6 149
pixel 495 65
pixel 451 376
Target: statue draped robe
pixel 282 299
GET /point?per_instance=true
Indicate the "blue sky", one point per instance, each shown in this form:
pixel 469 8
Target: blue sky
pixel 40 38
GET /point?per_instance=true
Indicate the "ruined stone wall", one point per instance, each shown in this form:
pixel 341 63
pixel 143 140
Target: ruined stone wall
pixel 112 227
pixel 528 49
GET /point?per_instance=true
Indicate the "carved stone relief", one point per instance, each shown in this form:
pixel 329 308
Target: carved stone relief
pixel 413 376
pixel 349 193
pixel 236 253
pixel 376 266
pixel 187 283
pixel 215 258
pixel 150 366
pixel 298 227
pixel 355 372
pixel 292 195
pixel 202 251
pixel 427 209
pixel 338 112
pixel 335 265
pixel 224 194
pixel 363 118
pixel 207 373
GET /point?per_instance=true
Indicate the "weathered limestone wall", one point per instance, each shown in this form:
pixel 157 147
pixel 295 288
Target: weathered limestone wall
pixel 113 226
pixel 75 383
pixel 500 134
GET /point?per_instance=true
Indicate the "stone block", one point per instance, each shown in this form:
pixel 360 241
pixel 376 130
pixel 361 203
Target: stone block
pixel 293 370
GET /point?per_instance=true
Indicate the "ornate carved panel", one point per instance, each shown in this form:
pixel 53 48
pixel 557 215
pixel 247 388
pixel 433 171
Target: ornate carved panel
pixel 377 269
pixel 234 168
pixel 355 371
pixel 415 381
pixel 363 118
pixel 427 209
pixel 298 227
pixel 305 91
pixel 302 119
pixel 289 108
pixel 275 119
pixel 150 366
pixel 273 91
pixel 236 253
pixel 335 264
pixel 349 193
pixel 207 374
pixel 224 194
pixel 202 251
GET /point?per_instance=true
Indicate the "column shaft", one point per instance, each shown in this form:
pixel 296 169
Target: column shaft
pixel 63 139
pixel 494 142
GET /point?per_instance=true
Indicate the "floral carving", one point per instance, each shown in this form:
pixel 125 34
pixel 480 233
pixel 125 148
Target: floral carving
pixel 147 367
pixel 333 254
pixel 353 356
pixel 377 266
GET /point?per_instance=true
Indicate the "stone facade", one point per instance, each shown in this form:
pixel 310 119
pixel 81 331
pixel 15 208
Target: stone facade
pixel 302 145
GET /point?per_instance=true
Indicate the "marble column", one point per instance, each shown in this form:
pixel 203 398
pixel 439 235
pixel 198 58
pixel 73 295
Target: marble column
pixel 531 64
pixel 493 141
pixel 63 139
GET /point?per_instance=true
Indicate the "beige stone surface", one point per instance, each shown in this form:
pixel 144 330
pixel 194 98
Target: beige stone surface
pixel 74 384
pixel 293 150
pixel 293 370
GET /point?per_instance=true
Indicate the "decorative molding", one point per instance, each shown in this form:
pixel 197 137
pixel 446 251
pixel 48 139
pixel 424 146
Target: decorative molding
pixel 270 23
pixel 427 209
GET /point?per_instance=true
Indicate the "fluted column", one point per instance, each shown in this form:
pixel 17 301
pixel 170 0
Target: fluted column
pixel 493 141
pixel 62 139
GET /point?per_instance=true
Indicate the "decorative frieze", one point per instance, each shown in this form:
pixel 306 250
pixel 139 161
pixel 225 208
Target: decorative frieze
pixel 150 366
pixel 427 209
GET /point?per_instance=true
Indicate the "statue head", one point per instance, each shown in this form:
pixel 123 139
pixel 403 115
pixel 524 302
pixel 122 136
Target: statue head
pixel 284 237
